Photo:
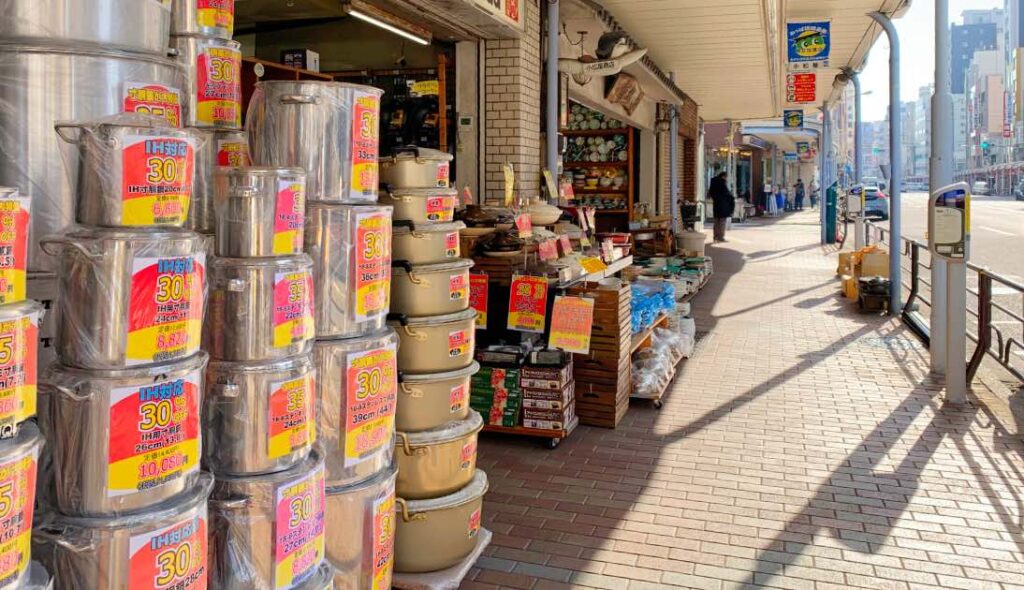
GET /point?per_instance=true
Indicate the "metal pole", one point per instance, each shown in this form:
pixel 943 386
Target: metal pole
pixel 551 128
pixel 896 167
pixel 673 168
pixel 824 138
pixel 940 171
pixel 858 154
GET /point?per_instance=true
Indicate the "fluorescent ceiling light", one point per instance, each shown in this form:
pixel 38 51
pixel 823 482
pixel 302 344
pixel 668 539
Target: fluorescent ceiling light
pixel 378 18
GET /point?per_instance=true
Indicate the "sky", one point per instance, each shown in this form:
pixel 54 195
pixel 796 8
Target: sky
pixel 917 30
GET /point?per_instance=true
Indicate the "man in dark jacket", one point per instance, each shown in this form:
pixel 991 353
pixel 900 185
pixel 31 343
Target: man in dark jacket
pixel 724 204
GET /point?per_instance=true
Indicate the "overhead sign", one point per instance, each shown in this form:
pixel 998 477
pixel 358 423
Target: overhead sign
pixel 793 119
pixel 803 151
pixel 801 88
pixel 506 11
pixel 810 44
pixel 790 156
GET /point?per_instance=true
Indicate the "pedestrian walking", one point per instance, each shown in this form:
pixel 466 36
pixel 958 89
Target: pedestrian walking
pixel 814 195
pixel 799 189
pixel 724 204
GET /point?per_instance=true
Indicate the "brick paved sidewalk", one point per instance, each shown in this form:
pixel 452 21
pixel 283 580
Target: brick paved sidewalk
pixel 803 447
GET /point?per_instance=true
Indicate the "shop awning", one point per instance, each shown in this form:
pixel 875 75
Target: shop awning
pixel 730 55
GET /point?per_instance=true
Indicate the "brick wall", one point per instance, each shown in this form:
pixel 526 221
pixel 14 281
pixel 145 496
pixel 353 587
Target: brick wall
pixel 512 105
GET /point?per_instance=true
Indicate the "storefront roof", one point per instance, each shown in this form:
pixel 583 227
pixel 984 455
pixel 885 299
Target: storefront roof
pixel 730 55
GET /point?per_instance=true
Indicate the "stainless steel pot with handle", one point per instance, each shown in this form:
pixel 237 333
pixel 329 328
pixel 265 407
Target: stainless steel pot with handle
pixel 356 396
pixel 215 86
pixel 268 530
pixel 430 400
pixel 208 18
pixel 261 309
pixel 108 553
pixel 427 244
pixel 258 417
pixel 133 172
pixel 130 25
pixel 220 147
pixel 351 250
pixel 435 344
pixel 76 83
pixel 329 129
pixel 439 461
pixel 260 212
pixel 421 206
pixel 122 441
pixel 416 167
pixel 430 289
pixel 361 532
pixel 436 534
pixel 19 461
pixel 128 298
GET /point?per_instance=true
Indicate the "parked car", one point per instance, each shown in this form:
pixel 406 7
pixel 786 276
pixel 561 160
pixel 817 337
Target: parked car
pixel 1018 192
pixel 980 187
pixel 876 203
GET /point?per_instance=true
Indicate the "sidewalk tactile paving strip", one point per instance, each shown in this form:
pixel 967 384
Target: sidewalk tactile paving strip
pixel 804 447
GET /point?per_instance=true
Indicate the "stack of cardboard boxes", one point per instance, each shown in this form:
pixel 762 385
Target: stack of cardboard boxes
pixel 867 262
pixel 548 396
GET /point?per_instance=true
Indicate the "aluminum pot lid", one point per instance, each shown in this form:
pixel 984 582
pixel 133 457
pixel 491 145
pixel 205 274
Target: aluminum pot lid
pixel 166 512
pixel 474 491
pixel 469 371
pixel 384 478
pixel 405 230
pixel 299 261
pixel 414 153
pixel 374 340
pixel 345 205
pixel 263 171
pixel 424 269
pixel 228 487
pixel 70 378
pixel 89 233
pixel 431 320
pixel 186 37
pixel 224 369
pixel 22 308
pixel 27 440
pixel 446 432
pixel 84 49
pixel 421 193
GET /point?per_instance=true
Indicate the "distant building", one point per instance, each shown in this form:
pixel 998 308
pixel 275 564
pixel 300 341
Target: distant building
pixel 966 40
pixel 986 102
pixel 960 133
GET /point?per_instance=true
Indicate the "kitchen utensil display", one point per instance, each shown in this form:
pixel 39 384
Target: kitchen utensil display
pixel 127 25
pixel 81 83
pixel 260 212
pixel 329 129
pixel 430 289
pixel 436 534
pixel 122 441
pixel 133 171
pixel 428 244
pixel 260 308
pixel 220 147
pixel 430 400
pixel 361 532
pixel 416 167
pixel 437 462
pixel 104 553
pixel 356 392
pixel 258 417
pixel 421 206
pixel 214 92
pixel 208 18
pixel 351 250
pixel 435 344
pixel 267 531
pixel 128 297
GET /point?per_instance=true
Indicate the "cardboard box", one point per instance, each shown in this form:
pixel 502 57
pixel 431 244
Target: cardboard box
pixel 557 423
pixel 845 259
pixel 547 399
pixel 550 378
pixel 874 264
pixel 850 289
pixel 303 59
pixel 560 415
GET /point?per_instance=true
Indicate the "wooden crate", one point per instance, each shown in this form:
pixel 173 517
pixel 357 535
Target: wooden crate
pixel 499 270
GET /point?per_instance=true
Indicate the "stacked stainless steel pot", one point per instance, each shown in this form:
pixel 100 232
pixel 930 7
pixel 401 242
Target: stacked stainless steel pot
pixel 440 492
pixel 331 131
pixel 201 32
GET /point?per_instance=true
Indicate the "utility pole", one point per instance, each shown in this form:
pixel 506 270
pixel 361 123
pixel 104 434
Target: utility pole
pixel 895 166
pixel 824 140
pixel 940 174
pixel 551 82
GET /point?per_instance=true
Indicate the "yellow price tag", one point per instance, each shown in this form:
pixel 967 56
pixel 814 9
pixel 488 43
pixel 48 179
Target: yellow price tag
pixel 593 264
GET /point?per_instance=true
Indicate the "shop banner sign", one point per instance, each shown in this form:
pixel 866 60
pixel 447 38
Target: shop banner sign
pixel 803 151
pixel 793 119
pixel 801 88
pixel 548 249
pixel 810 44
pixel 572 320
pixel 527 304
pixel 478 298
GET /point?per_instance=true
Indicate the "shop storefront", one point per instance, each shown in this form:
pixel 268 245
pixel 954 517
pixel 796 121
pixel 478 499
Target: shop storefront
pixel 297 267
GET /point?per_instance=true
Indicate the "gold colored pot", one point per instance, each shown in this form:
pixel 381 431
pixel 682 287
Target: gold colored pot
pixel 436 534
pixel 433 399
pixel 437 462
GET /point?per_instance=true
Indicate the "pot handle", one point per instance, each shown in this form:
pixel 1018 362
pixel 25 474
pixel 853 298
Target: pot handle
pixel 413 392
pixel 409 449
pixel 299 99
pixel 67 392
pixel 59 537
pixel 417 336
pixel 402 264
pixel 401 318
pixel 226 389
pixel 68 131
pixel 406 517
pixel 54 245
pixel 406 149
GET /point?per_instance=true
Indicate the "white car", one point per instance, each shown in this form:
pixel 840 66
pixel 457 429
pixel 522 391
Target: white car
pixel 979 188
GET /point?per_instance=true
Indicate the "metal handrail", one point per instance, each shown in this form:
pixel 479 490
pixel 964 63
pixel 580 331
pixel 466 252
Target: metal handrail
pixel 991 340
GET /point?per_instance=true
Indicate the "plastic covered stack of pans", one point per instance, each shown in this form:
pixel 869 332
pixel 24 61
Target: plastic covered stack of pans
pixel 120 409
pixel 201 32
pixel 440 491
pixel 20 441
pixel 331 130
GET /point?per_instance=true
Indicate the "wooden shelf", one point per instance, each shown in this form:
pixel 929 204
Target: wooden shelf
pixel 644 338
pixel 600 191
pixel 595 132
pixel 574 165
